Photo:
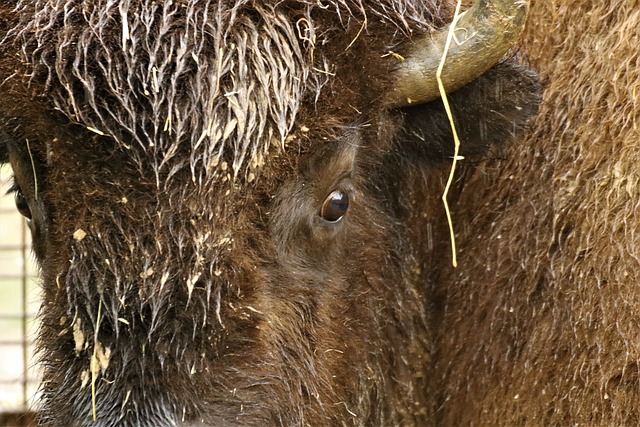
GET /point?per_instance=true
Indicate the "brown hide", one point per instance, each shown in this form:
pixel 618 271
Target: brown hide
pixel 541 321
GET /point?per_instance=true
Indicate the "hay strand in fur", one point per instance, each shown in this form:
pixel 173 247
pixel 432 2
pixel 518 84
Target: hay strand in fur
pixel 456 140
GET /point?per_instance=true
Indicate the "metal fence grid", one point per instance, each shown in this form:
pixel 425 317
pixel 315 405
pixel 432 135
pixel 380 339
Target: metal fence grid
pixel 18 304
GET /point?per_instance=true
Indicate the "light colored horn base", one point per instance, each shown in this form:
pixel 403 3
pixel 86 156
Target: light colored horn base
pixel 482 35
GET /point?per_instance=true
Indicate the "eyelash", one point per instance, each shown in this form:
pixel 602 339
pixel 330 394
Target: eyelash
pixel 13 188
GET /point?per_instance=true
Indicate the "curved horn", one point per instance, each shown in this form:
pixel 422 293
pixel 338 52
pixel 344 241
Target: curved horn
pixel 483 34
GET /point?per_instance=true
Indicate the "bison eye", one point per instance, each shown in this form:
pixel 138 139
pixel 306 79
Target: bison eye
pixel 21 203
pixel 335 206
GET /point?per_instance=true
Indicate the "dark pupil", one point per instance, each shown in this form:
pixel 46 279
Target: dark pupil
pixel 22 205
pixel 335 206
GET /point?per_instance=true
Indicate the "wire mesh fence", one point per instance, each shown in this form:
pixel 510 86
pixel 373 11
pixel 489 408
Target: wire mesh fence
pixel 18 305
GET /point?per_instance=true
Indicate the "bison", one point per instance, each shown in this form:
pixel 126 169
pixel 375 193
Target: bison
pixel 234 204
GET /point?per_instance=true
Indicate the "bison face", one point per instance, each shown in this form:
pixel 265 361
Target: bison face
pixel 230 215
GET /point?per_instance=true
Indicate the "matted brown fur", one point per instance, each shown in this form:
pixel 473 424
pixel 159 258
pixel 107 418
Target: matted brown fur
pixel 541 323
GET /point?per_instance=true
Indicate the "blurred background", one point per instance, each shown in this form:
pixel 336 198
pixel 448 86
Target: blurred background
pixel 19 302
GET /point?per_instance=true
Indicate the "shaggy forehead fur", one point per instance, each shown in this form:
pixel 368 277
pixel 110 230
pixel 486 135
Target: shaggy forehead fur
pixel 204 84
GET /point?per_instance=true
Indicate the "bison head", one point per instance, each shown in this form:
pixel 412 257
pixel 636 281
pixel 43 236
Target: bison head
pixel 232 204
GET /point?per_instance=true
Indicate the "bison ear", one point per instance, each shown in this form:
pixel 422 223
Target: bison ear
pixel 490 110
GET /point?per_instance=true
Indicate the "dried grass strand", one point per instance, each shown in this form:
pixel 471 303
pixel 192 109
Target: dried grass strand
pixel 93 368
pixel 33 168
pixel 456 140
